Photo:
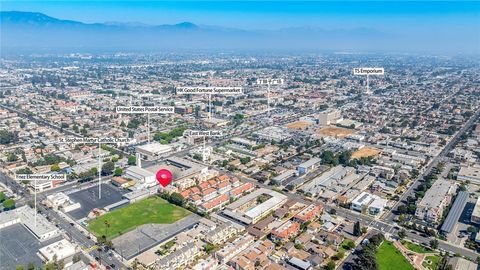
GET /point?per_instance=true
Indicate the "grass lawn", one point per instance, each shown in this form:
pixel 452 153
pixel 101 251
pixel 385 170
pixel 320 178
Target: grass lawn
pixel 415 248
pixel 150 210
pixel 431 262
pixel 389 257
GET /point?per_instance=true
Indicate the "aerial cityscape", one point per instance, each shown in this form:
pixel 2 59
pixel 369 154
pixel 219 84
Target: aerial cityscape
pixel 127 144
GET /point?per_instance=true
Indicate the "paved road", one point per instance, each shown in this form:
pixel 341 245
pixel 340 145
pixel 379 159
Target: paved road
pixel 72 232
pixel 49 124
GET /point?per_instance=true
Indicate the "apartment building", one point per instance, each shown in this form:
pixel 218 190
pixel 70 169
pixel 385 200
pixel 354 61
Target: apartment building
pixel 430 208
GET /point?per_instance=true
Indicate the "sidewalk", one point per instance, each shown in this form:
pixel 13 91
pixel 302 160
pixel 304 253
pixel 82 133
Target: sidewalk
pixel 417 259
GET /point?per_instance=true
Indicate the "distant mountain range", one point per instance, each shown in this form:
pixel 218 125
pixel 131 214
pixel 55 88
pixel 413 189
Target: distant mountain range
pixel 37 31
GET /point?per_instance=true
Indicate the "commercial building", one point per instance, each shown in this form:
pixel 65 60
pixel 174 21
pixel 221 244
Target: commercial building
pixel 185 172
pixel 153 150
pixel 471 174
pixel 247 209
pixel 42 229
pixel 308 165
pixel 476 213
pixel 243 142
pixel 279 179
pixel 59 250
pixel 273 134
pixel 335 174
pixel 433 203
pixel 329 117
pixel 141 175
pixel 370 202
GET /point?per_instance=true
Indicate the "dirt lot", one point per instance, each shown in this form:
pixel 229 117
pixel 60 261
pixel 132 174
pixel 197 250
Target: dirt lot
pixel 335 132
pixel 299 125
pixel 366 152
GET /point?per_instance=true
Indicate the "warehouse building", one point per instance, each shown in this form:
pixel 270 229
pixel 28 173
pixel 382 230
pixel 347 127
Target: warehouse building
pixel 308 165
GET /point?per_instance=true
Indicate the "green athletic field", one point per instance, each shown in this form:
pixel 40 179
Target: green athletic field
pixel 122 220
pixel 389 257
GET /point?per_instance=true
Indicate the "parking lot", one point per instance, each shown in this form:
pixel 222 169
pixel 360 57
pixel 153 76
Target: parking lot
pixel 88 199
pixel 20 249
pixel 460 233
pixel 147 236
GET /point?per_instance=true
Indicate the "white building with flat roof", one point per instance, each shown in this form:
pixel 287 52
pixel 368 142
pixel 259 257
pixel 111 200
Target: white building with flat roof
pixel 153 150
pixel 476 213
pixel 470 173
pixel 42 228
pixel 273 133
pixel 368 202
pixel 61 250
pixel 330 117
pixel 57 199
pixel 141 175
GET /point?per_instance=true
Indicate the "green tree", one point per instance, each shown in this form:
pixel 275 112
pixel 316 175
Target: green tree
pixel 340 255
pixel 9 204
pixel 11 157
pixel 177 199
pixel 19 267
pixel 76 258
pixel 245 160
pixel 208 248
pixel 50 266
pixel 132 160
pixel 55 168
pixel 108 168
pixel 434 244
pixel 2 196
pixel 330 265
pixel 7 137
pixel 402 233
pixel 31 266
pixel 350 244
pixel 118 171
pixel 356 229
pixel 24 171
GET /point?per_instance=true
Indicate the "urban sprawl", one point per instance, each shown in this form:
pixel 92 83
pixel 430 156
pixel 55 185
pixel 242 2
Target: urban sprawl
pixel 278 162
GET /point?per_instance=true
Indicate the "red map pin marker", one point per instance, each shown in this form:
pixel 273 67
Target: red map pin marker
pixel 164 177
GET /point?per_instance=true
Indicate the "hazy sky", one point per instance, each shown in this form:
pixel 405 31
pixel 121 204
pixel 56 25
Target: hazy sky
pixel 388 15
pixel 452 26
